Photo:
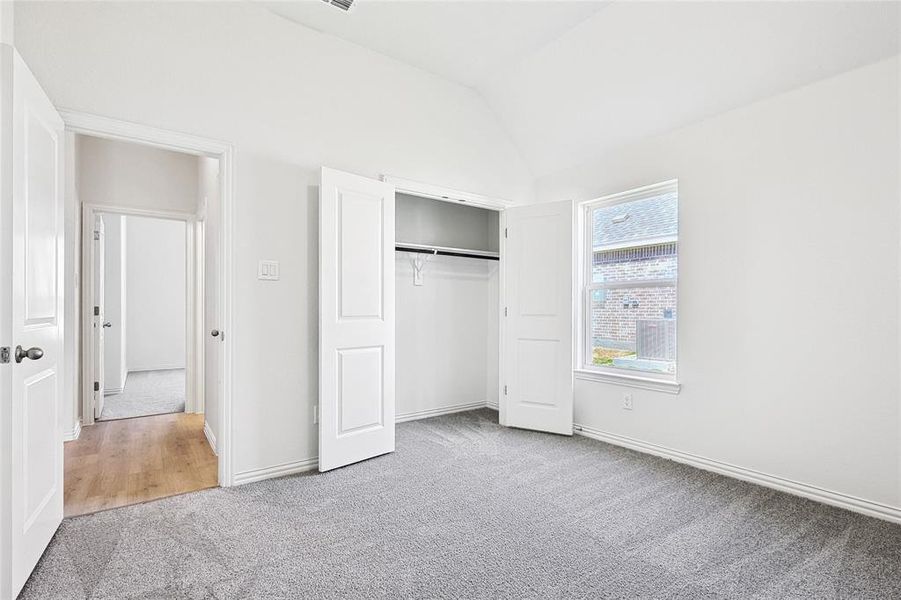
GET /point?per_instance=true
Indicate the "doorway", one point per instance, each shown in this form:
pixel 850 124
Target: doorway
pixel 140 327
pixel 150 256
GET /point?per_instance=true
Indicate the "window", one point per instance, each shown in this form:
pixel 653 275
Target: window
pixel 630 266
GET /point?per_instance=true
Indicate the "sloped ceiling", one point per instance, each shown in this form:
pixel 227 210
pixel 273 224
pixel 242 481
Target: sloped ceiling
pixel 464 41
pixel 573 80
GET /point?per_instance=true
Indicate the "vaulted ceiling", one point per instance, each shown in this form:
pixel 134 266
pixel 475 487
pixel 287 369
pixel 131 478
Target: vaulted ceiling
pixel 571 80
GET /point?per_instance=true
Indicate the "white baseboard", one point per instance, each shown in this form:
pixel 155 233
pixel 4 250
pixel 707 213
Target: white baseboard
pixel 210 437
pixel 493 405
pixel 111 391
pixel 852 503
pixel 434 412
pixel 70 435
pixel 277 471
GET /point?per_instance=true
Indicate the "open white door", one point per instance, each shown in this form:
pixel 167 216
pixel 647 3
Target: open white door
pixel 356 319
pixel 31 216
pixel 538 346
pixel 99 265
pixel 212 351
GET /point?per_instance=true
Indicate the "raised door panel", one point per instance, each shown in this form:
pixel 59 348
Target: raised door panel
pixel 361 391
pixel 40 477
pixel 41 153
pixel 361 276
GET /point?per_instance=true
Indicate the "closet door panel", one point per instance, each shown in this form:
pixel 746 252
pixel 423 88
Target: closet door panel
pixel 538 343
pixel 356 319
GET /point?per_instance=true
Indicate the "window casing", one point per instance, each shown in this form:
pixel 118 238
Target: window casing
pixel 629 281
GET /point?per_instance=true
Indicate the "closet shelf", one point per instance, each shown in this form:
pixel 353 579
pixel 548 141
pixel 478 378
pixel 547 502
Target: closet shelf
pixel 446 251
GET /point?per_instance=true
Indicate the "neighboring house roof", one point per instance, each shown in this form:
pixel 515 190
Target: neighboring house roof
pixel 637 222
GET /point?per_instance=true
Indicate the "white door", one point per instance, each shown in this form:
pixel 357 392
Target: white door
pixel 99 250
pixel 538 346
pixel 356 319
pixel 33 254
pixel 212 352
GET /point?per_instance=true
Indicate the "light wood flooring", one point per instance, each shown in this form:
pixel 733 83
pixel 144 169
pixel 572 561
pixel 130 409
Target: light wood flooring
pixel 117 463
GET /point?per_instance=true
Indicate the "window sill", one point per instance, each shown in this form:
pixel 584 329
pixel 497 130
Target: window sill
pixel 646 383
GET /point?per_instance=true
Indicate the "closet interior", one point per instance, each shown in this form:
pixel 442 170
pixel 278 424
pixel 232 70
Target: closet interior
pixel 447 306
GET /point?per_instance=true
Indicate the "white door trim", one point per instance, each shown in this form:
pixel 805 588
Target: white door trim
pixel 98 126
pixel 437 192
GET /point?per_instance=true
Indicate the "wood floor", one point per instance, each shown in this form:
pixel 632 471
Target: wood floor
pixel 116 463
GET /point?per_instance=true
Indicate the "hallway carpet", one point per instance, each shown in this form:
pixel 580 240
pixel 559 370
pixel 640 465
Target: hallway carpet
pixel 147 393
pixel 468 509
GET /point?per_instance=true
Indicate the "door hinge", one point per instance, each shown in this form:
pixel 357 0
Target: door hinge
pixel 96 386
pixel 96 311
pixel 4 355
pixel 96 236
pixel 505 232
pixel 505 311
pixel 505 390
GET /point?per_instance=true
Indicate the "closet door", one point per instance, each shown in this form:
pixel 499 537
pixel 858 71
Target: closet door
pixel 538 343
pixel 356 319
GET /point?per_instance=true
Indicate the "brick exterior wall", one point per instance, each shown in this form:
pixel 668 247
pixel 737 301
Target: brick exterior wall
pixel 613 318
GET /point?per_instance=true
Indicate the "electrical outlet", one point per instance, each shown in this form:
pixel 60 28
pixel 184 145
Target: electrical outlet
pixel 627 401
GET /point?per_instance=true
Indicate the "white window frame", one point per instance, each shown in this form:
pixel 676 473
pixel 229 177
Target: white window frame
pixel 585 370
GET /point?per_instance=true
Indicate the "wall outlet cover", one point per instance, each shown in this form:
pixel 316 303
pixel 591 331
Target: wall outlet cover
pixel 268 270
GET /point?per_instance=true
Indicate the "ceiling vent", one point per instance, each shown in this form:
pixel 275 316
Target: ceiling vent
pixel 342 4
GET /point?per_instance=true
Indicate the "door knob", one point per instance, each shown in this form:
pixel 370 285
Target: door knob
pixel 214 333
pixel 31 354
pixel 107 324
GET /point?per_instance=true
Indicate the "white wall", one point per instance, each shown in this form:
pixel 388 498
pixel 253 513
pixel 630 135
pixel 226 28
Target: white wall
pixel 113 173
pixel 291 99
pixel 439 223
pixel 114 303
pixel 442 330
pixel 155 294
pixel 788 286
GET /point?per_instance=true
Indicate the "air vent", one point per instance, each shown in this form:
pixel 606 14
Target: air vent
pixel 342 4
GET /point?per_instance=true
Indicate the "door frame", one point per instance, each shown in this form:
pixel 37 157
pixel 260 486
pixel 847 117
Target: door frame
pixel 98 126
pixel 194 277
pixel 500 206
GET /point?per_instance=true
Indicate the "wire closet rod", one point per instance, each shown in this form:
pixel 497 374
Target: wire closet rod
pixel 446 251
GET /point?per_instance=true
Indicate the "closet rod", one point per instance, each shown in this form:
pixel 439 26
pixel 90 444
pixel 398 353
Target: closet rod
pixel 442 251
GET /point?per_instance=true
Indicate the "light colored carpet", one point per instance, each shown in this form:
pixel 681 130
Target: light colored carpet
pixel 147 393
pixel 467 509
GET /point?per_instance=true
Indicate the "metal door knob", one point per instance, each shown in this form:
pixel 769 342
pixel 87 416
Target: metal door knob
pixel 107 324
pixel 214 333
pixel 31 354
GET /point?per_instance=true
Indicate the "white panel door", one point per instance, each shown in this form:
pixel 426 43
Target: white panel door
pixel 99 314
pixel 538 344
pixel 212 351
pixel 35 314
pixel 356 319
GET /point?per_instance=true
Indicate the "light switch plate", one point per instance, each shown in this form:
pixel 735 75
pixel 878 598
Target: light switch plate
pixel 268 270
